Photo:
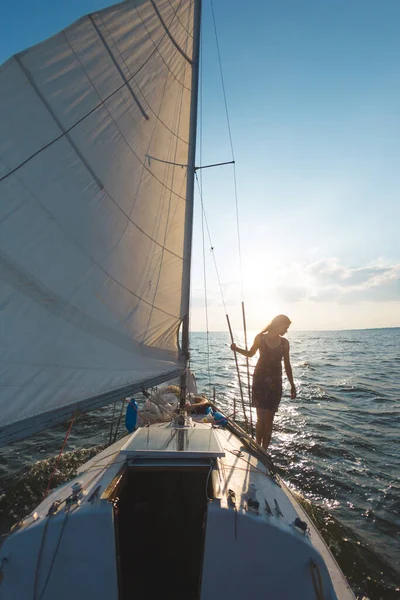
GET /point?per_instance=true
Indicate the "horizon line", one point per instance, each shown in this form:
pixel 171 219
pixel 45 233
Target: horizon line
pixel 294 329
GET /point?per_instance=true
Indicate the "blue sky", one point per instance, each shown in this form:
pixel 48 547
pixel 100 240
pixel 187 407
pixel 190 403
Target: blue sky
pixel 313 89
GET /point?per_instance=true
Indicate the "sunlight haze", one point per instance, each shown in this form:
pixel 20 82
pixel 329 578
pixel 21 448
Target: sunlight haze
pixel 313 91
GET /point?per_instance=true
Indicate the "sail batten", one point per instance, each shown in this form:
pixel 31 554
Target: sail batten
pixel 171 37
pixel 92 232
pixel 126 82
pixel 65 131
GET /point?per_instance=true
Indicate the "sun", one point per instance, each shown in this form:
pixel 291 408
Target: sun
pixel 261 278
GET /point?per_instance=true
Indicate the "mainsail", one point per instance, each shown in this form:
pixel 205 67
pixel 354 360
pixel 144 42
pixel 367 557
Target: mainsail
pixel 94 143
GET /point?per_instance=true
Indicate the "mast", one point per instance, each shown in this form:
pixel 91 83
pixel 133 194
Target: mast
pixel 190 190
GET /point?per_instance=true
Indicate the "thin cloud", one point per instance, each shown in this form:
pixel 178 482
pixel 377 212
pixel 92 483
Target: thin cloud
pixel 331 272
pixel 291 293
pixel 331 281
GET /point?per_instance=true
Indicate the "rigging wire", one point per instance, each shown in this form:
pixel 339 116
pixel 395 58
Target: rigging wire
pixel 237 212
pixel 231 143
pixel 226 314
pixel 211 246
pixel 205 299
pixel 200 185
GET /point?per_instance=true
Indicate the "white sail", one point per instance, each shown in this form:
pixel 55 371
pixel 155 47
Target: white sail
pixel 92 240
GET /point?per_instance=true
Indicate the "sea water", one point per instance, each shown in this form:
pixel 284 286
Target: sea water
pixel 338 443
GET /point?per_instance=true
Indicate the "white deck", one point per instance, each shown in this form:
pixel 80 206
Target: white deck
pixel 247 552
pixel 274 554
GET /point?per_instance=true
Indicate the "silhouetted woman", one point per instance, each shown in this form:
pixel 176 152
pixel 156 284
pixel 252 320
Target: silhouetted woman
pixel 267 378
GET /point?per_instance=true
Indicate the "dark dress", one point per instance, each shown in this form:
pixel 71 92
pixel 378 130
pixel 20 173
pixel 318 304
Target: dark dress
pixel 267 378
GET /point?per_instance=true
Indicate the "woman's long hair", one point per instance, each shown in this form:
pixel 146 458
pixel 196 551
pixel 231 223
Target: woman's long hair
pixel 276 322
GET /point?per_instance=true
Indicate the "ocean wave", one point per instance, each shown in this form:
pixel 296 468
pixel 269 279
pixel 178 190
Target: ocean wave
pixel 359 561
pixel 23 492
pixel 337 443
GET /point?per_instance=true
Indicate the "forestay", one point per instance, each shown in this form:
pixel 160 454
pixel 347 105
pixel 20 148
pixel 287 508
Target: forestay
pixel 92 241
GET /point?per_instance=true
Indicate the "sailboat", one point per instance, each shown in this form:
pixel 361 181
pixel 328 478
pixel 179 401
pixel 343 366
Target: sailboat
pixel 97 164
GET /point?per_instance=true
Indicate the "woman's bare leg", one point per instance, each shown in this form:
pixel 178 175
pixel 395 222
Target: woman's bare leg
pixel 268 428
pixel 265 420
pixel 260 426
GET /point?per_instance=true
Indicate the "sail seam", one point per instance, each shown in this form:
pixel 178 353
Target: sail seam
pixel 122 211
pixel 119 89
pixel 151 137
pixel 37 291
pixel 61 136
pixel 127 83
pixel 32 82
pixel 177 119
pixel 178 19
pixel 102 269
pixel 171 252
pixel 156 49
pixel 128 145
pixel 102 102
pixel 167 31
pixel 130 73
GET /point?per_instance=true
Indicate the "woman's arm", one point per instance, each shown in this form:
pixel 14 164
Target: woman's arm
pixel 253 349
pixel 288 369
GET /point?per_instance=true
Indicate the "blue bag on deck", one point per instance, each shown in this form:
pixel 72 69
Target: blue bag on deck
pixel 131 415
pixel 220 419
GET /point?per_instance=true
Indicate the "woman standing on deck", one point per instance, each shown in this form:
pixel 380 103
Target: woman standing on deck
pixel 267 378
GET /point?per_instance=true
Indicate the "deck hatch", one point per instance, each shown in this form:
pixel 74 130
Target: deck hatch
pixel 167 442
